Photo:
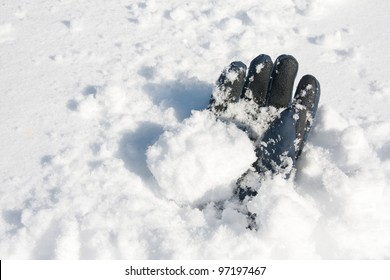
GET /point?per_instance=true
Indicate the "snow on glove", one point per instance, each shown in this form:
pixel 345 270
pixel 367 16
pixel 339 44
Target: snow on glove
pixel 260 102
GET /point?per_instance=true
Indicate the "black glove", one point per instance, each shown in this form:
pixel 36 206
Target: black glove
pixel 276 124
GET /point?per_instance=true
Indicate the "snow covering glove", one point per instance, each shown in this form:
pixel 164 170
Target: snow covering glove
pixel 260 102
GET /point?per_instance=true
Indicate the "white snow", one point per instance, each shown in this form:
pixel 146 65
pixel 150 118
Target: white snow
pixel 201 160
pixel 107 151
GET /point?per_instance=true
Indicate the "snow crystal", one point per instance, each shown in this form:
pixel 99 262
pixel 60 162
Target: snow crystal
pixel 259 67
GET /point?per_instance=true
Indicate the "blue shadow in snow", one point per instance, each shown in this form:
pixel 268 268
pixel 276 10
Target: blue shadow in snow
pixel 133 146
pixel 183 96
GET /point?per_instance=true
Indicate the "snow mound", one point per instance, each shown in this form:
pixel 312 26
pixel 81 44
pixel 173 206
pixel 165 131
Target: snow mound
pixel 201 159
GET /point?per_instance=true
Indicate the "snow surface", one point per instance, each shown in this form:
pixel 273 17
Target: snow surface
pixel 96 98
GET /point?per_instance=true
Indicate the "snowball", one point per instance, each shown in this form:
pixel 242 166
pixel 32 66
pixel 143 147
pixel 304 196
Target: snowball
pixel 200 160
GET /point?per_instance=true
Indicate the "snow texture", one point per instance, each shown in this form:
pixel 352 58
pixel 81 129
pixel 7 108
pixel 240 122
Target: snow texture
pixel 107 151
pixel 200 160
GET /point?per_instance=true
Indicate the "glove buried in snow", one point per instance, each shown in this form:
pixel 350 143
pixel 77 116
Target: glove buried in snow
pixel 268 85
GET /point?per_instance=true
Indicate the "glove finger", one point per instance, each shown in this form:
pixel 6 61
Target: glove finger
pixel 229 86
pixel 276 152
pixel 306 101
pixel 257 81
pixel 282 81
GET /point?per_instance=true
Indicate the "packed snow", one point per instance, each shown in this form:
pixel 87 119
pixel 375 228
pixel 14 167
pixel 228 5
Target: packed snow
pixel 201 160
pixel 108 152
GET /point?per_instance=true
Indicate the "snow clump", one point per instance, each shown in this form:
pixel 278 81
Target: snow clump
pixel 201 159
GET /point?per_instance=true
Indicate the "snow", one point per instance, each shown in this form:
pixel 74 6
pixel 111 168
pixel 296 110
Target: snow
pixel 201 160
pixel 107 151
